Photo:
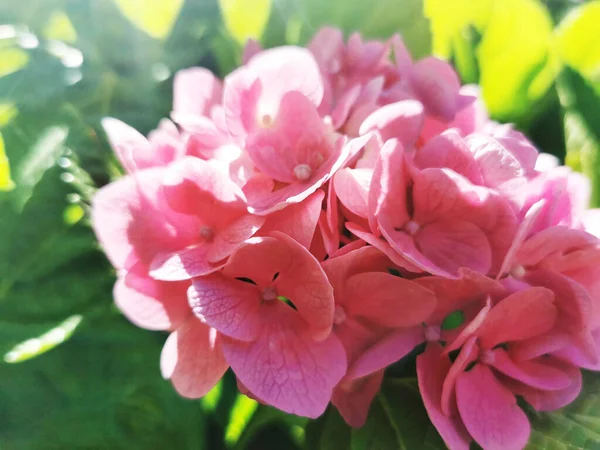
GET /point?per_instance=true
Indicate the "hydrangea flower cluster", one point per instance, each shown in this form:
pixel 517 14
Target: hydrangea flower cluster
pixel 322 212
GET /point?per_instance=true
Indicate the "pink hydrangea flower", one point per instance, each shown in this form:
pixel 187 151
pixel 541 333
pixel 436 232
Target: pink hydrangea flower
pixel 323 212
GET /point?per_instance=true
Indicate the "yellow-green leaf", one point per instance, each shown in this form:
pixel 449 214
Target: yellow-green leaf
pixel 514 56
pixel 242 411
pixel 245 19
pixel 60 28
pixel 47 341
pixel 154 17
pixel 12 60
pixel 450 18
pixel 7 113
pixel 578 40
pixel 6 183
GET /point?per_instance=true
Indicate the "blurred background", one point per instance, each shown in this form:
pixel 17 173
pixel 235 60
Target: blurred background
pixel 75 374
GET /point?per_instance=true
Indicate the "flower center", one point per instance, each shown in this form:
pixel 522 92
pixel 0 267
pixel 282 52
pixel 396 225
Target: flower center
pixel 487 356
pixel 266 120
pixel 518 272
pixel 302 172
pixel 412 227
pixel 432 333
pixel 339 315
pixel 269 294
pixel 207 233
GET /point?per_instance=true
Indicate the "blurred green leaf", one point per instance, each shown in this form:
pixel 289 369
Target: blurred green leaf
pixel 241 414
pixel 514 56
pixel 450 19
pixel 59 27
pixel 155 17
pixel 47 341
pixel 578 41
pixel 102 390
pixel 12 60
pixel 576 426
pixel 245 19
pixel 6 183
pixel 581 105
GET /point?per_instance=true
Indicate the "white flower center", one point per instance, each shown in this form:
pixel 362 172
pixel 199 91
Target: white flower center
pixel 302 172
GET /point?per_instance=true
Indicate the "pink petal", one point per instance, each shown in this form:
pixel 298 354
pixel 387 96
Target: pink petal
pixel 553 240
pixel 388 300
pixel 195 90
pixel 129 222
pixel 286 368
pixel 182 264
pixel 472 327
pixel 522 233
pixel 432 368
pixel 531 373
pixel 489 411
pixel 402 120
pixel 382 246
pixel 442 194
pixel 228 305
pixel 228 239
pixel 299 221
pixel 151 304
pixel 132 149
pixel 195 187
pixel 543 400
pixel 352 188
pixel 285 69
pixel 241 94
pixel 388 191
pixel 522 315
pixel 360 260
pixel 285 264
pixel 449 150
pixel 454 244
pixel 437 86
pixel 353 398
pixel 192 359
pixel 327 46
pixel 251 48
pixel 388 350
pixel 468 353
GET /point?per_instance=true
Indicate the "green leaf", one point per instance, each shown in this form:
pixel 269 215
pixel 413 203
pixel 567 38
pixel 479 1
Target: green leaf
pixel 241 414
pixel 12 60
pixel 515 62
pixel 59 27
pixel 397 419
pixel 154 17
pixel 103 390
pixel 6 183
pixel 573 427
pixel 581 106
pixel 244 19
pixel 578 43
pixel 47 341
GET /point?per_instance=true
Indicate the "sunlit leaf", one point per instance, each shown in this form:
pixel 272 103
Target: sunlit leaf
pixel 211 400
pixel 6 183
pixel 7 112
pixel 514 56
pixel 581 106
pixel 41 344
pixel 578 42
pixel 449 20
pixel 12 60
pixel 39 159
pixel 245 19
pixel 154 17
pixel 73 214
pixel 59 27
pixel 241 413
